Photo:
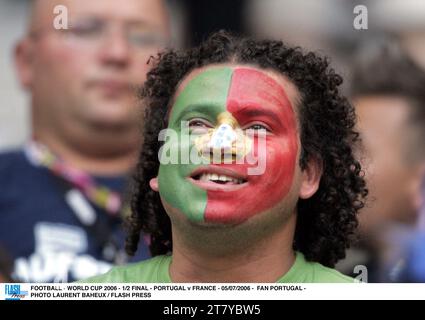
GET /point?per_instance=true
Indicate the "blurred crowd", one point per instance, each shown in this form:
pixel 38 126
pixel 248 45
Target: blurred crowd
pixel 70 121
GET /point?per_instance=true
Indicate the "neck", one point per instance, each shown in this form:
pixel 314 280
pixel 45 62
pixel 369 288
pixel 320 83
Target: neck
pixel 264 260
pixel 95 154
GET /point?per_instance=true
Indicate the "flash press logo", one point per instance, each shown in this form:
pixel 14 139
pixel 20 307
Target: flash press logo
pixel 13 292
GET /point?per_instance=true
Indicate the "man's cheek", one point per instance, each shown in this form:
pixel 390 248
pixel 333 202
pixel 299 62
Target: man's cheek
pixel 280 167
pixel 256 159
pixel 271 158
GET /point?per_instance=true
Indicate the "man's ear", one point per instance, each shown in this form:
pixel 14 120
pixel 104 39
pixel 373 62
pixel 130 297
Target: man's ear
pixel 153 183
pixel 23 56
pixel 310 178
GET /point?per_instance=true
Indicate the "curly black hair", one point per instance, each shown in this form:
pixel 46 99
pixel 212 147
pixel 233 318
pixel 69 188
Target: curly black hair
pixel 327 221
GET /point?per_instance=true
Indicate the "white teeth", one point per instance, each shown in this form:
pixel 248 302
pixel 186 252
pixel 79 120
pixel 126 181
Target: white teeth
pixel 224 178
pixel 216 177
pixel 204 177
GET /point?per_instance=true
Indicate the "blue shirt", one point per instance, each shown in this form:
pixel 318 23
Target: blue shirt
pixel 41 232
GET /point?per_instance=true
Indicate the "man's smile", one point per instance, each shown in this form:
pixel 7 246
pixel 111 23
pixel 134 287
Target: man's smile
pixel 216 178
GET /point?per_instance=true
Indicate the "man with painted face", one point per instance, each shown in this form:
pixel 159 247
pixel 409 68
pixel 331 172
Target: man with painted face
pixel 254 179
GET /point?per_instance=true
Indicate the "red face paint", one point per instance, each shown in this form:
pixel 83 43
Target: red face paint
pixel 255 97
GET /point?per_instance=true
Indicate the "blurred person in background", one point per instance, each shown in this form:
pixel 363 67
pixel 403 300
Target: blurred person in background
pixel 415 261
pixel 389 98
pixel 415 256
pixel 421 223
pixel 61 202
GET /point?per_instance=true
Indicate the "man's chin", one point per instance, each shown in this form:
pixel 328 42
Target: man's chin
pixel 217 225
pixel 107 113
pixel 196 219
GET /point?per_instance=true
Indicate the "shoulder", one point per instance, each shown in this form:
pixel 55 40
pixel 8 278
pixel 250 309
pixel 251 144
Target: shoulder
pixel 19 177
pixel 324 274
pixel 11 159
pixel 304 271
pixel 14 168
pixel 149 271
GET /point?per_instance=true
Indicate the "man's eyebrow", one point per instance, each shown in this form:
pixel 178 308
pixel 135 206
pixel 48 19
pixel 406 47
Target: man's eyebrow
pixel 132 21
pixel 142 23
pixel 255 111
pixel 208 109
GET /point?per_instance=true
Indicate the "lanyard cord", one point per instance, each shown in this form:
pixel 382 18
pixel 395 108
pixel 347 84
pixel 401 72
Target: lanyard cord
pixel 103 197
pixel 76 185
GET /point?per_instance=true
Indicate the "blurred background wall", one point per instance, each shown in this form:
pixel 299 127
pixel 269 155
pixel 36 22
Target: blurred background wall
pixel 14 112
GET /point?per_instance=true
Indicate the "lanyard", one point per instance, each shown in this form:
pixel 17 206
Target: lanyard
pixel 101 196
pixel 77 187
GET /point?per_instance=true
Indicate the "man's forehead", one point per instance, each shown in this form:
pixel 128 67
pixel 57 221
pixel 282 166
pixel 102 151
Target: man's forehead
pixel 151 12
pixel 269 78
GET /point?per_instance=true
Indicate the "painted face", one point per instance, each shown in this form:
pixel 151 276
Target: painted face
pixel 226 192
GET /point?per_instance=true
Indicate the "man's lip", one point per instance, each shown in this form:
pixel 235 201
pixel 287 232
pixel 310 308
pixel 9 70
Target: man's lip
pixel 111 85
pixel 220 171
pixel 212 186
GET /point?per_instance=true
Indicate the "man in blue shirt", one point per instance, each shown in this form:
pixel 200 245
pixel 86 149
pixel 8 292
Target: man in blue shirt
pixel 61 204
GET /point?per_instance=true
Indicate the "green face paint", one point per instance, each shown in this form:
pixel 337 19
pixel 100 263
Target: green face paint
pixel 204 96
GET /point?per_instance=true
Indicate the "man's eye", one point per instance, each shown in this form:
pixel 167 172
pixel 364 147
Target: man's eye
pixel 199 126
pixel 256 129
pixel 144 39
pixel 197 123
pixel 86 28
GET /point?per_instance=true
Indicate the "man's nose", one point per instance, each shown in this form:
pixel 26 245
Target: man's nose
pixel 116 50
pixel 223 143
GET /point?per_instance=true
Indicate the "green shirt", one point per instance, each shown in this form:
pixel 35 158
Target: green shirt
pixel 155 270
